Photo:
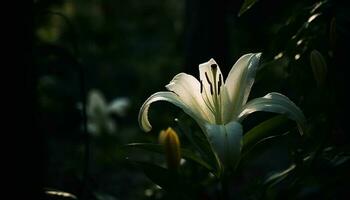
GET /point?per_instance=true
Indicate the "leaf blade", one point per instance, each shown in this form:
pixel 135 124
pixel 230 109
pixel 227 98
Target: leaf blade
pixel 185 153
pixel 246 6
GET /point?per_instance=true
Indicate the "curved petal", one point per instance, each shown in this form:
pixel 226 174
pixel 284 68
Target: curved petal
pixel 188 89
pixel 211 82
pixel 241 78
pixel 210 75
pixel 169 97
pixel 226 140
pixel 276 103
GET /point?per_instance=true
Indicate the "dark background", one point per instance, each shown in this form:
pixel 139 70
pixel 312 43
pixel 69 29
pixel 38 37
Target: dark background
pixel 133 48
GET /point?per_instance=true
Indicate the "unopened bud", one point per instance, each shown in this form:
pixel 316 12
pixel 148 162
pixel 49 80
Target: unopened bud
pixel 171 143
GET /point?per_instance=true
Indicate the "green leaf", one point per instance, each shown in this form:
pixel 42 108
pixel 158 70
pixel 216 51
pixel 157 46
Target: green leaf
pixel 169 180
pixel 262 146
pixel 192 156
pixel 201 142
pixel 246 6
pixel 279 176
pixel 262 131
pixel 157 174
pixel 185 153
pixel 203 145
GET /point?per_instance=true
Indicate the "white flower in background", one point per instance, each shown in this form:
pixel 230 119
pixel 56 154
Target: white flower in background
pixel 219 107
pixel 119 106
pixel 98 112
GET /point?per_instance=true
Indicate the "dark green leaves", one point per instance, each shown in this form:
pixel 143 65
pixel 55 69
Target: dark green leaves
pixel 246 6
pixel 201 143
pixel 279 176
pixel 173 182
pixel 319 67
pixel 187 154
pixel 262 131
pixel 159 175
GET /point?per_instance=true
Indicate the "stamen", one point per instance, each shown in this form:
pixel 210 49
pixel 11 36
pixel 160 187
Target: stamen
pixel 211 85
pixel 219 84
pixel 201 86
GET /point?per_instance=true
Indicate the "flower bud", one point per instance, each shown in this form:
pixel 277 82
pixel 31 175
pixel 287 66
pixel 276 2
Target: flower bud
pixel 171 144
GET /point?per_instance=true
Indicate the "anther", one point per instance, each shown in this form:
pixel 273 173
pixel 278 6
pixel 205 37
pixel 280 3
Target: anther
pixel 201 86
pixel 211 85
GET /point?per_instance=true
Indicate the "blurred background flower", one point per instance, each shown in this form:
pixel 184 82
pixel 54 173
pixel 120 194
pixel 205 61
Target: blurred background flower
pixel 99 112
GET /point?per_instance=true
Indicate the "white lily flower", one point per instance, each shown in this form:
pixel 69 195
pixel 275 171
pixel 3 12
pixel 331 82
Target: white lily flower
pixel 219 107
pixel 98 112
pixel 98 120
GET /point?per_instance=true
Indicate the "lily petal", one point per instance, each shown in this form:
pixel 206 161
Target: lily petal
pixel 209 74
pixel 211 82
pixel 96 104
pixel 226 140
pixel 241 78
pixel 169 97
pixel 119 106
pixel 188 89
pixel 276 103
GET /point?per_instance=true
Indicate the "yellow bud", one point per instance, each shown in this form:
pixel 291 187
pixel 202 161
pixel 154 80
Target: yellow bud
pixel 171 143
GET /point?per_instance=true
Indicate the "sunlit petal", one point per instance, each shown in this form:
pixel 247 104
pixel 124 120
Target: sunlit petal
pixel 169 97
pixel 276 103
pixel 211 81
pixel 241 78
pixel 226 107
pixel 226 140
pixel 188 89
